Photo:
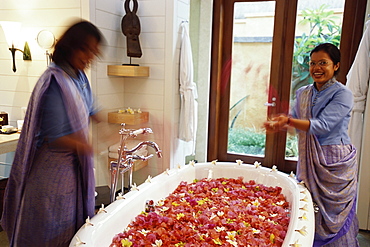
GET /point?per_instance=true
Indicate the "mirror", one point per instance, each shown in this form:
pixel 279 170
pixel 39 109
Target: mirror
pixel 46 40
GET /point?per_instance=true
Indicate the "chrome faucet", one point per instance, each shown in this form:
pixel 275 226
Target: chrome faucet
pixel 126 157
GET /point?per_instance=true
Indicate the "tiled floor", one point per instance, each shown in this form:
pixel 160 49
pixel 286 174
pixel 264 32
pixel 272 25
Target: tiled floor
pixel 363 237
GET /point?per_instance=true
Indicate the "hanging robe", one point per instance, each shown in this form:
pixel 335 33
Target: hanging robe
pixel 358 83
pixel 359 132
pixel 188 92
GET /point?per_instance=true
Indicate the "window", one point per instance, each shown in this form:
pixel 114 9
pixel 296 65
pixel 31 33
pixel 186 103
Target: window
pixel 251 72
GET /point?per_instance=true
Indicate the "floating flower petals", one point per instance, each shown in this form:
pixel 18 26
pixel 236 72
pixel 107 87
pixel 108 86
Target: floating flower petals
pixel 274 168
pixel 160 203
pixel 213 162
pixel 231 235
pixel 280 203
pixel 164 209
pixel 220 229
pixel 220 213
pixel 213 212
pixel 292 175
pixel 217 241
pixel 144 232
pixel 178 166
pixel 233 243
pixel 303 231
pixel 102 209
pixel 158 243
pixel 126 242
pixel 239 162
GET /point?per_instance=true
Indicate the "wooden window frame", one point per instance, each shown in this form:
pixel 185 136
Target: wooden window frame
pixel 282 50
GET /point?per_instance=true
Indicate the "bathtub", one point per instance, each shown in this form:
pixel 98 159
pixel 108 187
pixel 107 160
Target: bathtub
pixel 100 230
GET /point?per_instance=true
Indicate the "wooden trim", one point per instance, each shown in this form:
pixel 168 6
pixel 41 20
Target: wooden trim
pixel 280 76
pixel 214 98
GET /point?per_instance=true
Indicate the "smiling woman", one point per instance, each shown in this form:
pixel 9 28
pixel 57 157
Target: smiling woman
pixel 327 159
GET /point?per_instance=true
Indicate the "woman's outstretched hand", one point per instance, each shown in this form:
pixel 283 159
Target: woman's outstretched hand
pixel 276 124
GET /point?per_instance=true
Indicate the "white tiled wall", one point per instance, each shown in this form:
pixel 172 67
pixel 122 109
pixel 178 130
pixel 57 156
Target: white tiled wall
pixel 158 94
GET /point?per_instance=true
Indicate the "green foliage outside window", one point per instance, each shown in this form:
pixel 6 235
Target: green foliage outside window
pixel 323 28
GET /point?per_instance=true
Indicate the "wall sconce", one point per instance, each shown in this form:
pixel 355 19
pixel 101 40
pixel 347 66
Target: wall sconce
pixel 11 30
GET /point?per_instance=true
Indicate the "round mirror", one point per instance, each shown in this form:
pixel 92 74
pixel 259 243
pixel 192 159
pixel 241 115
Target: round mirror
pixel 45 39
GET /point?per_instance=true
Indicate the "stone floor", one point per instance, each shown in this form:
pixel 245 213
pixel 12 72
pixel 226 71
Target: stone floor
pixel 364 238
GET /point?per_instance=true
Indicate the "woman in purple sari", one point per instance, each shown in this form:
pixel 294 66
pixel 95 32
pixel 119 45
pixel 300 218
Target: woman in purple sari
pixel 327 159
pixel 50 191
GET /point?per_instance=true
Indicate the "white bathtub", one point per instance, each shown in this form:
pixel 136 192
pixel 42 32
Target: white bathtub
pixel 105 225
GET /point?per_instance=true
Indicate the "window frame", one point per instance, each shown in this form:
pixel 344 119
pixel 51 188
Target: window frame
pixel 281 66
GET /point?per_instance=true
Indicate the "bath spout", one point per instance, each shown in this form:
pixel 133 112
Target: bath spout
pixel 148 143
pixel 126 157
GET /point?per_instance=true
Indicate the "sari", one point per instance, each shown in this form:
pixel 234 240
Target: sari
pixel 330 174
pixel 50 193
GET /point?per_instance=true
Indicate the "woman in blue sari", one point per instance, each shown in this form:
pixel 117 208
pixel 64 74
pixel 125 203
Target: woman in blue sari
pixel 50 191
pixel 327 159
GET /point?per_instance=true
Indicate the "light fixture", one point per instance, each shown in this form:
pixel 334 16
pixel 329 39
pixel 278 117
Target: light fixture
pixel 11 30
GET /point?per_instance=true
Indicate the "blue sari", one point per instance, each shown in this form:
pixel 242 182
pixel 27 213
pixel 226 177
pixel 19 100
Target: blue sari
pixel 50 192
pixel 330 174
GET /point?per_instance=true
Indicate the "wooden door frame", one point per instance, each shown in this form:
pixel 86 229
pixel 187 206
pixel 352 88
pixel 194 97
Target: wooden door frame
pixel 354 15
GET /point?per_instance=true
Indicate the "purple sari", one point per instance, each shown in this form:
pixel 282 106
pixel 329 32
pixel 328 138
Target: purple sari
pixel 50 192
pixel 330 174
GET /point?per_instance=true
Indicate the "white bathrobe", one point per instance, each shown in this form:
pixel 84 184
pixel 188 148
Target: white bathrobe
pixel 188 93
pixel 359 126
pixel 358 83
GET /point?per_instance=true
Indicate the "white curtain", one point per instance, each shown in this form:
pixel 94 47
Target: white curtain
pixel 188 93
pixel 359 131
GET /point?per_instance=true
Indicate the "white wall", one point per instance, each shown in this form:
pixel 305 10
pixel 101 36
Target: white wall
pixel 157 94
pixel 107 15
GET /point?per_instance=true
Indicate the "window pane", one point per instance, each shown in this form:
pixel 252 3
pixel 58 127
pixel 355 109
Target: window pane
pixel 250 73
pixel 317 22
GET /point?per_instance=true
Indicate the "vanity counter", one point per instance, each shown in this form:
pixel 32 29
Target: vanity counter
pixel 8 142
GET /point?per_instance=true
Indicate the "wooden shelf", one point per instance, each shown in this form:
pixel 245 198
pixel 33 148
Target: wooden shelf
pixel 128 70
pixel 127 118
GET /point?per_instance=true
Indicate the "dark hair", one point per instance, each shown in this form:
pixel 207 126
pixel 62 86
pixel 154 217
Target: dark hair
pixel 75 38
pixel 331 50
